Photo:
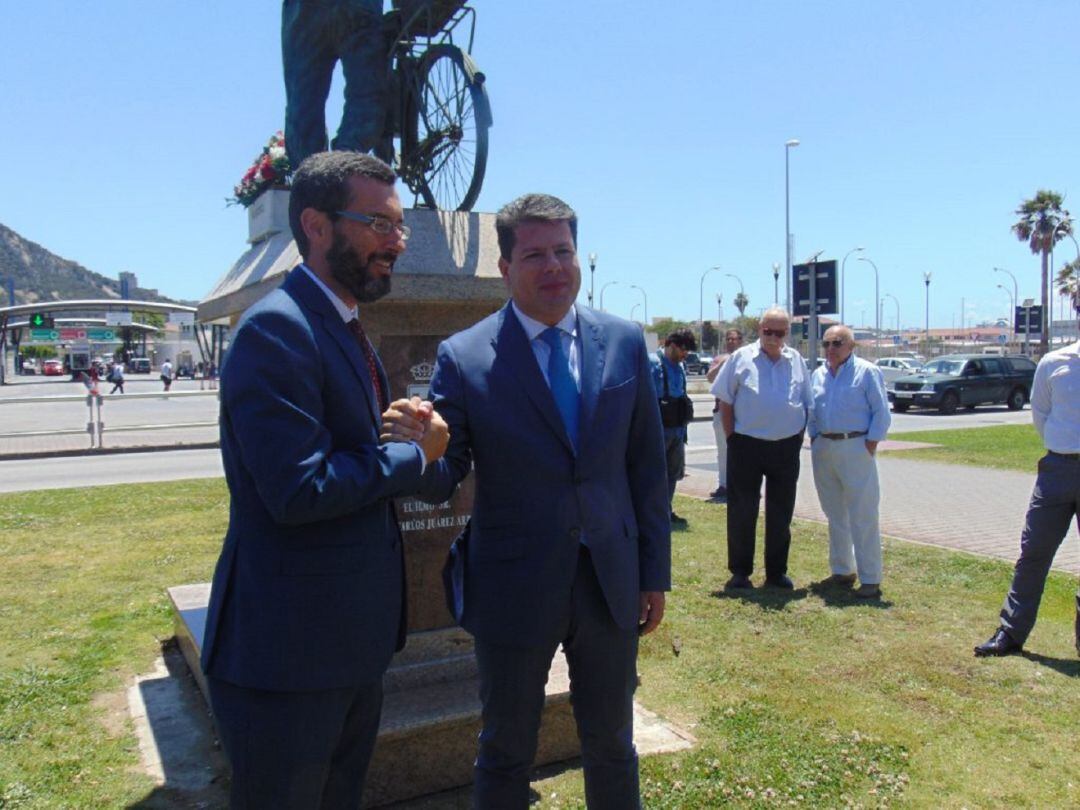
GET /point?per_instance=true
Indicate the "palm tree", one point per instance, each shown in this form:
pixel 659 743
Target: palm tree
pixel 1068 282
pixel 1042 223
pixel 741 303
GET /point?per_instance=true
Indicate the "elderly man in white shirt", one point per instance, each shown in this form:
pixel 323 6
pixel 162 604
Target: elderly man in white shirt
pixel 1055 501
pixel 764 393
pixel 849 416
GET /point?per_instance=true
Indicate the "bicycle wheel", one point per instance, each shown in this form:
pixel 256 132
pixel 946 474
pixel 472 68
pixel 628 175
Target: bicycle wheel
pixel 449 128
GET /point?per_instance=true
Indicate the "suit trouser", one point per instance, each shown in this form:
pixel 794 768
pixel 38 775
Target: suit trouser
pixel 846 478
pixel 1055 502
pixel 296 750
pixel 314 36
pixel 675 456
pixel 721 450
pixel 603 675
pixel 749 461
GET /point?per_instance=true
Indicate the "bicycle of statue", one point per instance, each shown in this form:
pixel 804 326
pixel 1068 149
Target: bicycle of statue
pixel 437 121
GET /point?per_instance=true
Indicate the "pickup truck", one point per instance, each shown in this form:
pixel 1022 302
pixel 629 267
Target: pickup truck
pixel 948 382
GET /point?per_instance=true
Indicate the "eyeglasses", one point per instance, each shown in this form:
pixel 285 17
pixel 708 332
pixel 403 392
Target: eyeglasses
pixel 836 344
pixel 773 332
pixel 381 225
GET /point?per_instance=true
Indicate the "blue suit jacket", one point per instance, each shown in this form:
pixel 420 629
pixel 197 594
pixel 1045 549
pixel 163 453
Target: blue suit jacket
pixel 308 592
pixel 535 497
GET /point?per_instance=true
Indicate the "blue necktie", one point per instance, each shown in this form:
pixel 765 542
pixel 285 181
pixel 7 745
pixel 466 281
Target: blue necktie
pixel 563 387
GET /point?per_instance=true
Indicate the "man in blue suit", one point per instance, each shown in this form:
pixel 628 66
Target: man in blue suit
pixel 569 540
pixel 307 602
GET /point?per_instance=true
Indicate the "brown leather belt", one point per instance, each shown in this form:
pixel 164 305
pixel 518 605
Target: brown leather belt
pixel 851 435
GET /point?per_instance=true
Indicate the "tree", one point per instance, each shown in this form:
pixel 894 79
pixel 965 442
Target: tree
pixel 1068 282
pixel 741 303
pixel 710 339
pixel 1043 222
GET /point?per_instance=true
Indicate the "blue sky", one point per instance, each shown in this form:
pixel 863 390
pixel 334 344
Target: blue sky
pixel 922 127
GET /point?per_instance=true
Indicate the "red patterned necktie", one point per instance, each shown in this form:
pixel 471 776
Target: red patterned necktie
pixel 373 366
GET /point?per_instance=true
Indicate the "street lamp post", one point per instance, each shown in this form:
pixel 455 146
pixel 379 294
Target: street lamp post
pixel 633 309
pixel 592 276
pixel 877 303
pixel 787 217
pixel 602 293
pixel 776 284
pixel 897 302
pixel 926 281
pixel 1012 300
pixel 701 307
pixel 842 277
pixel 645 298
pixel 1016 297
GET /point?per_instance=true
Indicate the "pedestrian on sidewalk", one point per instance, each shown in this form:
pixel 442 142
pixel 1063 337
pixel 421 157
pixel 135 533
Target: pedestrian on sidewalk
pixel 850 415
pixel 733 340
pixel 1055 500
pixel 764 393
pixel 116 377
pixel 676 408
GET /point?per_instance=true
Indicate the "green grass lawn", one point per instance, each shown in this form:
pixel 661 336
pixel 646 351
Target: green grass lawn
pixel 812 697
pixel 1004 447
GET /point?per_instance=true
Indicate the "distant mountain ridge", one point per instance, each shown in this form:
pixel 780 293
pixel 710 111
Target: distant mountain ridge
pixel 43 276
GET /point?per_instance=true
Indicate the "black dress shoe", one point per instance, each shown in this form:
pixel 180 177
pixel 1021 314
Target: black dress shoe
pixel 718 493
pixel 738 582
pixel 1001 643
pixel 677 520
pixel 783 582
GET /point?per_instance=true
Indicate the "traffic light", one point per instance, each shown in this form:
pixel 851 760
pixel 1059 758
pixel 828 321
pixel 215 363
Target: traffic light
pixel 39 321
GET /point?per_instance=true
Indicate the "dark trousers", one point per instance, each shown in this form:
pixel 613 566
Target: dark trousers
pixel 749 461
pixel 296 750
pixel 1055 502
pixel 603 675
pixel 675 456
pixel 314 36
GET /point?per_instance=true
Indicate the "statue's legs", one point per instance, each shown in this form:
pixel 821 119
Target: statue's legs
pixel 363 64
pixel 308 54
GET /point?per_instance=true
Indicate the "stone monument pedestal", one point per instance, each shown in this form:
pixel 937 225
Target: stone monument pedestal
pixel 431 709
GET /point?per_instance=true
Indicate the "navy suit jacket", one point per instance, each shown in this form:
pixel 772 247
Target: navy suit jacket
pixel 536 499
pixel 308 592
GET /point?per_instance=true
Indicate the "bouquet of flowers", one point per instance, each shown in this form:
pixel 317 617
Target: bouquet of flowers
pixel 271 168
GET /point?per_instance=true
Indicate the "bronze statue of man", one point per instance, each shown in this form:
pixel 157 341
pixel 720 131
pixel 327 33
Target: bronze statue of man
pixel 315 34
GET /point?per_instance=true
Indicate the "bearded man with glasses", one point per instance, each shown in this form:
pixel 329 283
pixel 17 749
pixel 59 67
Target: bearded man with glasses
pixel 764 395
pixel 849 416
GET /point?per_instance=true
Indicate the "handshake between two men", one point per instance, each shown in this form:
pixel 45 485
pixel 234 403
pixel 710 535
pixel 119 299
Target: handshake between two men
pixel 415 420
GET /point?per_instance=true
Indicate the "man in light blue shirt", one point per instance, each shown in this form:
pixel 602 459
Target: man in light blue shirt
pixel 1055 501
pixel 764 393
pixel 850 415
pixel 669 380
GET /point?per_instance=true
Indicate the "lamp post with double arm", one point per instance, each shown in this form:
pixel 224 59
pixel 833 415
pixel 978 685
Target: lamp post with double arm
pixel 701 308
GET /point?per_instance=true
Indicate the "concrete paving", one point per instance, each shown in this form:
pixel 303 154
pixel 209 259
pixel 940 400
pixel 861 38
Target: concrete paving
pixel 980 511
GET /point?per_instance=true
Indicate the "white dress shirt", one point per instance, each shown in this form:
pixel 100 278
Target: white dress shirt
pixel 770 398
pixel 1055 399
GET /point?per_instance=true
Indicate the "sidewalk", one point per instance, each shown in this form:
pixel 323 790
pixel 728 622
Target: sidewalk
pixel 977 510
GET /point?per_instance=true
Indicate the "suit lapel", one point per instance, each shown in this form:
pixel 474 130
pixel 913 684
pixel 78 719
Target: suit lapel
pixel 593 356
pixel 303 289
pixel 512 348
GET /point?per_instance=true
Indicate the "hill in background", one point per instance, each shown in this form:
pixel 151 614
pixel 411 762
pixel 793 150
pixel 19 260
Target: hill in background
pixel 43 276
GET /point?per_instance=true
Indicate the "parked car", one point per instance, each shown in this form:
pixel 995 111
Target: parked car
pixel 53 368
pixel 697 364
pixel 918 358
pixel 948 382
pixel 30 366
pixel 892 368
pixel 138 365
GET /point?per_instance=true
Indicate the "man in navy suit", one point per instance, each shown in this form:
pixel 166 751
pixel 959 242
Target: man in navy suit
pixel 307 602
pixel 569 540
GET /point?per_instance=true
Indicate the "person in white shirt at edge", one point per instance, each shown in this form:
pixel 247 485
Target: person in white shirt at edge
pixel 733 339
pixel 1055 500
pixel 764 393
pixel 849 416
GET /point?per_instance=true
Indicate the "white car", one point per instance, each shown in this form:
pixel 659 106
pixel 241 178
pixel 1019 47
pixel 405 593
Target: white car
pixel 895 367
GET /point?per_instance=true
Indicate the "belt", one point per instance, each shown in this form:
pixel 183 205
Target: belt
pixel 1070 456
pixel 851 435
